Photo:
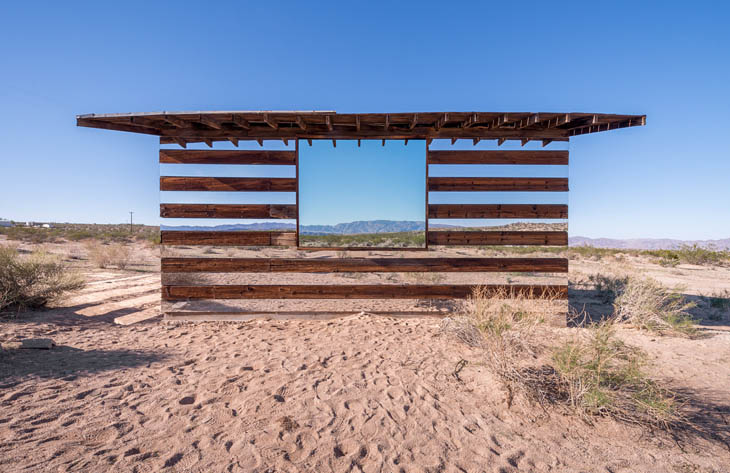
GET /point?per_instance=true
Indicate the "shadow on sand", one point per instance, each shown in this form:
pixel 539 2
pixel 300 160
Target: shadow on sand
pixel 64 362
pixel 589 306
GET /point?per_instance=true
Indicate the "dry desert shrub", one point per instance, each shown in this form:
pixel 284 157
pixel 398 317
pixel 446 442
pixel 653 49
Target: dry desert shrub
pixel 596 374
pixel 505 325
pixel 648 305
pixel 591 373
pixel 105 255
pixel 33 280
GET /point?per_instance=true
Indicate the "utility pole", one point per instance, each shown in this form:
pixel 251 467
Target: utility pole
pixel 130 222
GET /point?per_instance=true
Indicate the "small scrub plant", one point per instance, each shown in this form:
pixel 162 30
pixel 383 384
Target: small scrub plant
pixel 601 376
pixel 608 286
pixel 109 254
pixel 648 305
pixel 505 324
pixel 34 280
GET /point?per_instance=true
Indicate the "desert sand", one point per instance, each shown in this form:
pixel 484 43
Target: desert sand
pixel 355 393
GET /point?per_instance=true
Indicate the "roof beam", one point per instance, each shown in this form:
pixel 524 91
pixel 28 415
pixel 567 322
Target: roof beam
pixel 234 141
pixel 499 121
pixel 357 122
pixel 176 122
pixel 328 122
pixel 209 122
pixel 301 123
pixel 208 142
pixel 471 121
pixel 270 121
pixel 529 121
pixel 387 122
pixel 145 122
pixel 414 121
pixel 441 121
pixel 561 119
pixel 241 122
pixel 181 142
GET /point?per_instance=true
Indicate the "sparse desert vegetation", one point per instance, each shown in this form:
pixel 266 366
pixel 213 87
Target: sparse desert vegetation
pixel 499 376
pixel 80 231
pixel 33 280
pixel 389 240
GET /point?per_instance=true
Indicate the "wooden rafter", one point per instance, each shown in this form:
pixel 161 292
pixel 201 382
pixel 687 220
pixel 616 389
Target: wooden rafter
pixel 234 141
pixel 328 122
pixel 441 121
pixel 414 121
pixel 270 121
pixel 300 122
pixel 207 121
pixel 241 122
pixel 471 121
pixel 180 123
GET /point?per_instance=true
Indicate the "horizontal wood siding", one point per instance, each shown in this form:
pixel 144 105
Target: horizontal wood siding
pixel 498 184
pixel 223 184
pixel 201 156
pixel 227 211
pixel 450 237
pixel 263 238
pixel 547 211
pixel 361 291
pixel 346 265
pixel 498 157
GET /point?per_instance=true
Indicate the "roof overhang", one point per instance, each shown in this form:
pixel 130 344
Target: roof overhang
pixel 208 127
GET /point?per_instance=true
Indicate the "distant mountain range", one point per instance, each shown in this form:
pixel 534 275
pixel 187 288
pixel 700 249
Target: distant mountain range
pixel 350 228
pixel 647 243
pixel 395 226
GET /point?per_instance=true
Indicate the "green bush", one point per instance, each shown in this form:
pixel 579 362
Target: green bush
pixel 33 280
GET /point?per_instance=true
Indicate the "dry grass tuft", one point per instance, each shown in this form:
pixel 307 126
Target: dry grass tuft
pixel 591 373
pixel 105 255
pixel 598 375
pixel 505 325
pixel 28 281
pixel 648 305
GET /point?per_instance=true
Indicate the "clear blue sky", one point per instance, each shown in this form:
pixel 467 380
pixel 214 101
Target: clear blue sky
pixel 669 60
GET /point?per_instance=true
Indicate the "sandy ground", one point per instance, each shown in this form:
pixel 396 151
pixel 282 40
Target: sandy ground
pixel 358 393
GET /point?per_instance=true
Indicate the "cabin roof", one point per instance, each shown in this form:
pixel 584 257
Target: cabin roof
pixel 235 125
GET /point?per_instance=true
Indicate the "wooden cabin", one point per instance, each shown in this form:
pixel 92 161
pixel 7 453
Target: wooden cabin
pixel 284 255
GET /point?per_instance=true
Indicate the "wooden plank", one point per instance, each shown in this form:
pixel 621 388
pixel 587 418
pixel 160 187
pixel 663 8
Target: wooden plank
pixel 465 238
pixel 228 184
pixel 499 157
pixel 497 211
pixel 366 265
pixel 360 291
pixel 498 184
pixel 227 211
pixel 202 156
pixel 240 238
